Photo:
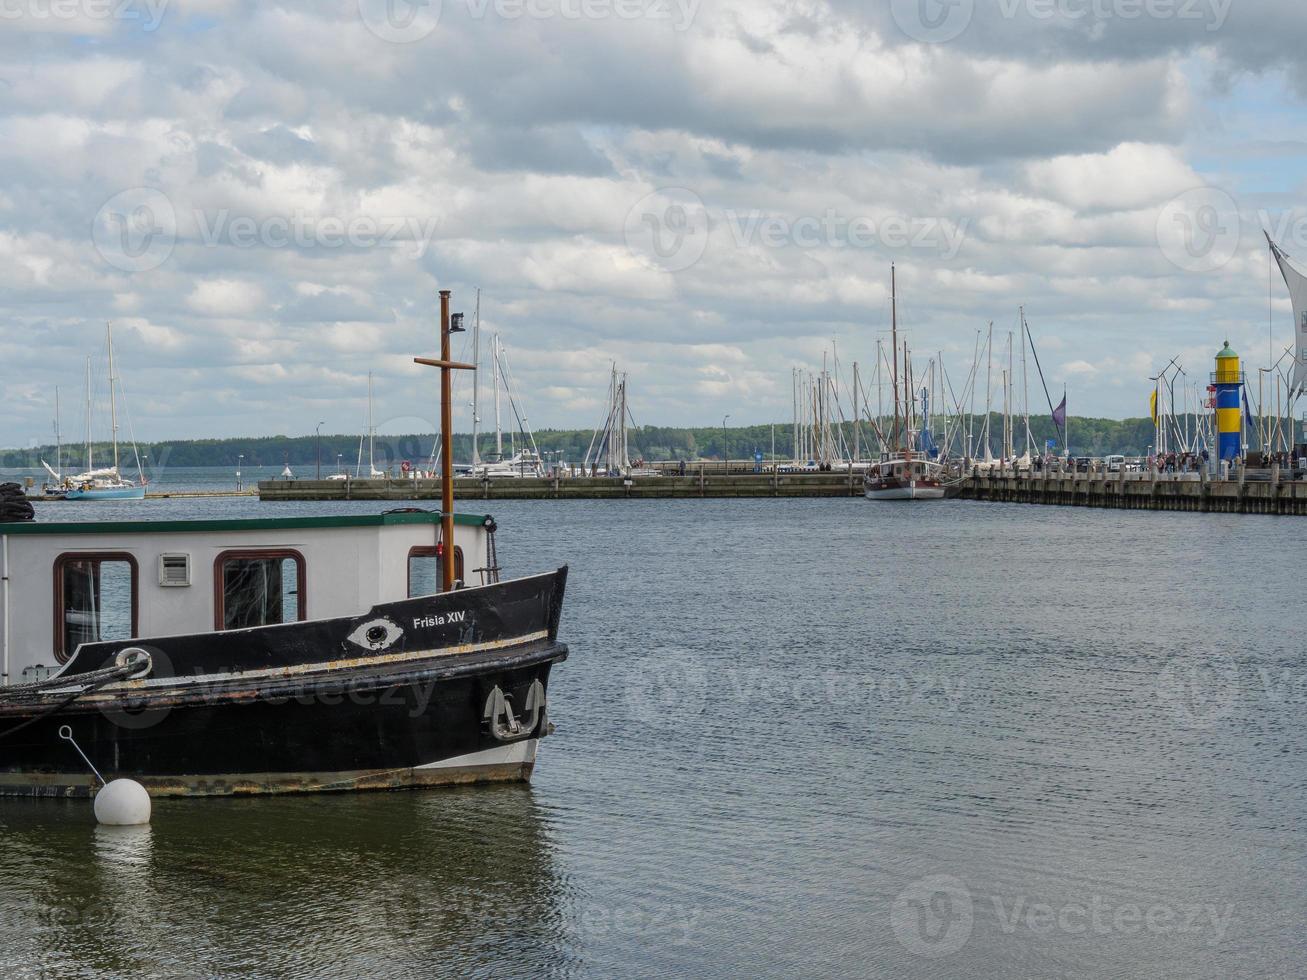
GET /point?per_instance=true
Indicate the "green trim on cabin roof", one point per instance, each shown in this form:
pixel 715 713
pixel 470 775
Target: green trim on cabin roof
pixel 246 524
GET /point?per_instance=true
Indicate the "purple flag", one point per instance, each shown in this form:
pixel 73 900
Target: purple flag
pixel 1059 414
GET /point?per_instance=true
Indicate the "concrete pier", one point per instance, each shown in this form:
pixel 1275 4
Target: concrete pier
pixel 1260 492
pixel 698 482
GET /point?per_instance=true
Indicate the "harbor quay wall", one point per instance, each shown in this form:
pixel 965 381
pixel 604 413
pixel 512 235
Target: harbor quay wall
pixel 696 483
pixel 1244 492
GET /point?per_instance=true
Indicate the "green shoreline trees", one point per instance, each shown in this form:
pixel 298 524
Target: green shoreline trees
pixel 1089 437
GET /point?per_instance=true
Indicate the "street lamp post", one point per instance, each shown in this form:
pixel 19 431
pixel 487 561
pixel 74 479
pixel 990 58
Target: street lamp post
pixel 317 433
pixel 726 456
pixel 239 459
pixel 340 467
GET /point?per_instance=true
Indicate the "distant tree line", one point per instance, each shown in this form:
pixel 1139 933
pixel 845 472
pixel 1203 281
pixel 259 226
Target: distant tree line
pixel 1089 437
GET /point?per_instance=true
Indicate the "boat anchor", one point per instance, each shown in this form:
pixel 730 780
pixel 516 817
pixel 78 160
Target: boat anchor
pixel 507 727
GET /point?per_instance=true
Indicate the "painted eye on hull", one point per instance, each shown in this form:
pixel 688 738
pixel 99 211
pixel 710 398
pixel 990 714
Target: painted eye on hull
pixel 377 634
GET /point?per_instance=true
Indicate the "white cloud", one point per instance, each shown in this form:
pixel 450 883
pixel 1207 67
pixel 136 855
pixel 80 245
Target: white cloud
pixel 1049 149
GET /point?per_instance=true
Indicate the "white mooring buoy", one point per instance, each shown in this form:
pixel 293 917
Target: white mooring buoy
pixel 123 803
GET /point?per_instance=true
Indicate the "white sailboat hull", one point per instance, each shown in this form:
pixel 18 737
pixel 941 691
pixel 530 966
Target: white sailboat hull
pixel 908 490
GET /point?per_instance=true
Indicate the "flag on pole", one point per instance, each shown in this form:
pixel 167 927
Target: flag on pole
pixel 1152 406
pixel 1059 414
pixel 1247 411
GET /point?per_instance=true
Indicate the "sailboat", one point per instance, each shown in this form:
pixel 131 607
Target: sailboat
pixel 371 437
pixel 106 483
pixel 902 474
pixel 524 462
pixel 59 488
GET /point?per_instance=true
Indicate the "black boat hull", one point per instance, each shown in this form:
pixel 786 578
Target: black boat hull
pixel 306 708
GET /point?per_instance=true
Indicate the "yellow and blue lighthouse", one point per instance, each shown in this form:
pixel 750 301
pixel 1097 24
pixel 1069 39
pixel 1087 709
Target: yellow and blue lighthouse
pixel 1228 382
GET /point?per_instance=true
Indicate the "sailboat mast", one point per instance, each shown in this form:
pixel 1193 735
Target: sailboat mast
pixel 476 381
pixel 894 346
pixel 989 385
pixel 58 439
pixel 909 402
pixel 1025 386
pixel 113 404
pixel 880 393
pixel 372 434
pixel 857 418
pixel 499 432
pixel 89 465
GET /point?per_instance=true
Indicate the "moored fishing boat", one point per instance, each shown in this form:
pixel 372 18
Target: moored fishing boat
pixel 272 655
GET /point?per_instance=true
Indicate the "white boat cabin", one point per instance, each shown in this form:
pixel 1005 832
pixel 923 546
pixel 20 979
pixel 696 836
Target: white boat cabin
pixel 72 583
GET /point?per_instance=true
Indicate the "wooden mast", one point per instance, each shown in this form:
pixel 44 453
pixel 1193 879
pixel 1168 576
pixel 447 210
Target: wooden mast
pixel 446 441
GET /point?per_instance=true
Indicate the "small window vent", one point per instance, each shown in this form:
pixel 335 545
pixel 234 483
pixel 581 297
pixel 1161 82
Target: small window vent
pixel 174 570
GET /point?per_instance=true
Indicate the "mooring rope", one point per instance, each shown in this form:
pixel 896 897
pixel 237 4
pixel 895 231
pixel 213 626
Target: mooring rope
pixel 92 682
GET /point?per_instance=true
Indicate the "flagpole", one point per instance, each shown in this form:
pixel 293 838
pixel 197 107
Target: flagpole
pixel 1066 422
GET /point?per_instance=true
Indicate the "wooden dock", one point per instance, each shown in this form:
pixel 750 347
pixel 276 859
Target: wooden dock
pixel 696 483
pixel 1257 492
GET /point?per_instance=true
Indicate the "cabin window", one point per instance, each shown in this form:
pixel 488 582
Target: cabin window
pixel 95 600
pixel 424 571
pixel 258 588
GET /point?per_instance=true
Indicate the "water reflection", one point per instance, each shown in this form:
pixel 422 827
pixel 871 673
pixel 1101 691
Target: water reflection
pixel 376 885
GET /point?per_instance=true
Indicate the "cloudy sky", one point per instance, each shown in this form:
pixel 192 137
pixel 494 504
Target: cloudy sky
pixel 264 197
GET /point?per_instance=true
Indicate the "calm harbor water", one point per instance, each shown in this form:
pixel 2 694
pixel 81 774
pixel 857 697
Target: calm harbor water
pixel 795 738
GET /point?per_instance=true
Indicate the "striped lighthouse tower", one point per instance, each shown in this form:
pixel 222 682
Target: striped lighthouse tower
pixel 1228 382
